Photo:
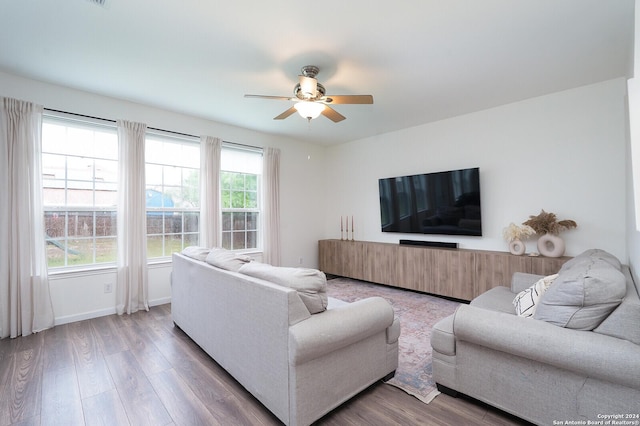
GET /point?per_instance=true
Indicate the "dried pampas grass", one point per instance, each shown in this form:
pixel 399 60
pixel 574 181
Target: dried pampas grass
pixel 515 232
pixel 547 223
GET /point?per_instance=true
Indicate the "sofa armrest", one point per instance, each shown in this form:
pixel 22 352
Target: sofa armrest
pixel 336 328
pixel 522 281
pixel 583 352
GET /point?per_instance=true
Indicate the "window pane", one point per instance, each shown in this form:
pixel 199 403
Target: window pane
pixel 172 244
pixel 106 224
pixel 191 240
pixel 154 223
pixel 54 224
pixel 252 221
pixel 226 221
pixel 226 199
pixel 237 199
pixel 191 188
pixel 251 200
pixel 238 240
pixel 55 252
pixel 106 250
pixel 155 246
pixel 239 221
pixel 106 170
pixel 226 240
pixel 237 181
pixel 252 182
pixel 80 224
pixel 191 221
pixel 153 175
pixel 172 223
pixel 80 168
pixel 252 239
pixel 106 194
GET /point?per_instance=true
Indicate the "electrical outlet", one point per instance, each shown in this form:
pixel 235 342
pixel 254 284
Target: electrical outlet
pixel 108 288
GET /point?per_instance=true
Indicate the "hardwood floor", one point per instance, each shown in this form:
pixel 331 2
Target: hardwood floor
pixel 141 370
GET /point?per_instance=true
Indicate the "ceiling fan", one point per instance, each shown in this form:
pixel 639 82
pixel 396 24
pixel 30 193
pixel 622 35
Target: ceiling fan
pixel 310 98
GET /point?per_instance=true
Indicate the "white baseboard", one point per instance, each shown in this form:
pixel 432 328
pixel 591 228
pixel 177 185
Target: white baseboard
pixel 161 301
pixel 84 316
pixel 102 312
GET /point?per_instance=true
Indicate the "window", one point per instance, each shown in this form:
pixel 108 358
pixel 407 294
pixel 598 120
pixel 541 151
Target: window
pixel 240 182
pixel 173 193
pixel 80 192
pixel 80 169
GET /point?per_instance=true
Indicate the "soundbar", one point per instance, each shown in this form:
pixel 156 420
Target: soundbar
pixel 428 243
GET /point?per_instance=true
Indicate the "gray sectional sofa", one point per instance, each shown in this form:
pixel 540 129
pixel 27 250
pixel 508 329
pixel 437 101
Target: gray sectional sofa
pixel 576 358
pixel 274 330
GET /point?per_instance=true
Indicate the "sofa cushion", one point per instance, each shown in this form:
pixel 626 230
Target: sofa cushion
pixel 624 321
pixel 584 293
pixel 496 299
pixel 527 300
pixel 226 259
pixel 311 284
pixel 195 252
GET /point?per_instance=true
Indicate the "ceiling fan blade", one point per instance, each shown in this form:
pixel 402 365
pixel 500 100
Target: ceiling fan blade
pixel 278 98
pixel 348 99
pixel 332 114
pixel 285 114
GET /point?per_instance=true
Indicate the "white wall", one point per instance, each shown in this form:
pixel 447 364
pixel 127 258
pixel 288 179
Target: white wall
pixel 564 153
pixel 79 296
pixel 633 163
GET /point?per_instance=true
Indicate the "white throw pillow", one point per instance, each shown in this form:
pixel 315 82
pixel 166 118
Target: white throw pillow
pixel 526 301
pixel 311 284
pixel 195 252
pixel 226 259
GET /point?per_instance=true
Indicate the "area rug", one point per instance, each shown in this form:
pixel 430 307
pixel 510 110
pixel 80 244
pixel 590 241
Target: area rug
pixel 417 313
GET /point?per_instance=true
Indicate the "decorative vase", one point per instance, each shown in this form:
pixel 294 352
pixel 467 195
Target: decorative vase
pixel 516 247
pixel 551 245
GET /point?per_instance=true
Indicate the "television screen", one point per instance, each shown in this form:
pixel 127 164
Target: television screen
pixel 432 203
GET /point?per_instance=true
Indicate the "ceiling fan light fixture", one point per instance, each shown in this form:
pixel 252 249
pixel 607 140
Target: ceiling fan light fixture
pixel 309 110
pixel 308 87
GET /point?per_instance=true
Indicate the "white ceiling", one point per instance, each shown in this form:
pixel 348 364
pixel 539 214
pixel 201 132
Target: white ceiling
pixel 422 60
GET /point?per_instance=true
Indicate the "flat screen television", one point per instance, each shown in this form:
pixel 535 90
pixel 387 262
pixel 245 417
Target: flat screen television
pixel 432 203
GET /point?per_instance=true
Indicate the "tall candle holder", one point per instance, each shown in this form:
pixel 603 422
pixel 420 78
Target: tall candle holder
pixel 347 226
pixel 353 229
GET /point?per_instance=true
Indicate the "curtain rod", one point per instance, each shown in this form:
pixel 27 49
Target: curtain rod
pixel 150 128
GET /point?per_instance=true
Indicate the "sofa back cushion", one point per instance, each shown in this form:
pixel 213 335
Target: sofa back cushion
pixel 311 284
pixel 584 293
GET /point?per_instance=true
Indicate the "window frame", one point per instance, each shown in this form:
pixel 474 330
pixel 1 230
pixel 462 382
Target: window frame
pixel 65 209
pixel 259 210
pixel 170 137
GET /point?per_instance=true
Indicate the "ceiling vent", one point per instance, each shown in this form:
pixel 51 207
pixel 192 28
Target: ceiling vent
pixel 101 3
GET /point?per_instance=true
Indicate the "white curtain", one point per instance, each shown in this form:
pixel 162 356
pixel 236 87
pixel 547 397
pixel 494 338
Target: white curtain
pixel 210 210
pixel 271 182
pixel 132 282
pixel 25 301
